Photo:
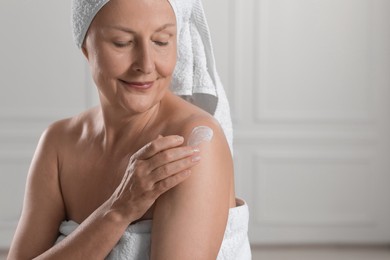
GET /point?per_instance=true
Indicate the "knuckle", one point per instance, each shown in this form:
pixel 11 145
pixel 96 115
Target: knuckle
pixel 139 165
pixel 136 163
pixel 184 163
pixel 167 156
pixel 152 147
pixel 141 153
pixel 165 185
pixel 163 171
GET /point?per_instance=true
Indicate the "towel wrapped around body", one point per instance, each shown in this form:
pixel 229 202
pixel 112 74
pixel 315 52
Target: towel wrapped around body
pixel 135 242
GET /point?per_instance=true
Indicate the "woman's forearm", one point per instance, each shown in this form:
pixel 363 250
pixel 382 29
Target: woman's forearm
pixel 153 170
pixel 94 238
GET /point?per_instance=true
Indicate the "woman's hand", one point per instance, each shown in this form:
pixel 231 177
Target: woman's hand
pixel 153 170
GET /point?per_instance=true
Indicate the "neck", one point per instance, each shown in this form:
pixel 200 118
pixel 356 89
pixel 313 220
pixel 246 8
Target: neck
pixel 125 128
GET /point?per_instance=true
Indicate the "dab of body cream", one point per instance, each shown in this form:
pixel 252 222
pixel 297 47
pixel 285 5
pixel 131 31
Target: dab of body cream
pixel 200 134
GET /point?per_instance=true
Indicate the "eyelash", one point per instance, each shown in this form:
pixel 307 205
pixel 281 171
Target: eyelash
pixel 122 44
pixel 125 44
pixel 162 44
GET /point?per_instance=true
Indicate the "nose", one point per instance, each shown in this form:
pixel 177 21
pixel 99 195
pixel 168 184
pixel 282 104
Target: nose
pixel 144 61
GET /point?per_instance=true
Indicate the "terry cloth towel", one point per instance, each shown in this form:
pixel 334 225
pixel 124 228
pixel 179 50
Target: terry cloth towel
pixel 135 242
pixel 195 77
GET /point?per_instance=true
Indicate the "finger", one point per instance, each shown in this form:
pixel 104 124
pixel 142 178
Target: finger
pixel 173 168
pixel 158 145
pixel 171 155
pixel 172 181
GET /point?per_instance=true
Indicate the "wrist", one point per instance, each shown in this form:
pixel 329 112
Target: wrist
pixel 116 215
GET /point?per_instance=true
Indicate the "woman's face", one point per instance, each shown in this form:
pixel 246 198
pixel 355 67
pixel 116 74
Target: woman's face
pixel 131 49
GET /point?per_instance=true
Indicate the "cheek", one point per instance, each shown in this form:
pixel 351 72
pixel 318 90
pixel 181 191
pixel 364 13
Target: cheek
pixel 112 64
pixel 167 64
pixel 106 63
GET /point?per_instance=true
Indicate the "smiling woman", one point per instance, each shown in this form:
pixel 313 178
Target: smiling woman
pixel 132 62
pixel 118 180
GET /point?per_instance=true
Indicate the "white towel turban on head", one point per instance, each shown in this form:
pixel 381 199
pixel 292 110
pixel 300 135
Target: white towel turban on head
pixel 195 77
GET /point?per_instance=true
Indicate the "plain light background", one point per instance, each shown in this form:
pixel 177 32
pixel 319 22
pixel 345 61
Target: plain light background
pixel 309 87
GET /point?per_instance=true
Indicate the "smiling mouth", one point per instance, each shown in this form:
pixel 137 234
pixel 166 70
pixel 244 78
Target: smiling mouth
pixel 138 85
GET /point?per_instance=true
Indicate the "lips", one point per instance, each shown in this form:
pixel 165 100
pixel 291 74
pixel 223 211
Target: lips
pixel 141 85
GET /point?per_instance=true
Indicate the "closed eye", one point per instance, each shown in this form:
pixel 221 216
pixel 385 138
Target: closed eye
pixel 161 43
pixel 122 44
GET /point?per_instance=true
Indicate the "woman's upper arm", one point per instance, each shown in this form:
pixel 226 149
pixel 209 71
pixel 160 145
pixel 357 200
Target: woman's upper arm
pixel 43 207
pixel 189 221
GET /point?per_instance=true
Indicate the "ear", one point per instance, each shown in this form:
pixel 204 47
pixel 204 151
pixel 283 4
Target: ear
pixel 84 50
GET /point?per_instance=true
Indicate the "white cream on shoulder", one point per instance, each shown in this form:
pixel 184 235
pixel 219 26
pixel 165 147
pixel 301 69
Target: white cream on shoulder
pixel 200 134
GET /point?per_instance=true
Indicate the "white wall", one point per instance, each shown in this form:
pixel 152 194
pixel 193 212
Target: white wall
pixel 42 80
pixel 309 86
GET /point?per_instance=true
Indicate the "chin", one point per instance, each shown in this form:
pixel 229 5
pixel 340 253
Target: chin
pixel 141 105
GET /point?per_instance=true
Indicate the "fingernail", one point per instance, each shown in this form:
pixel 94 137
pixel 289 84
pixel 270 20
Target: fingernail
pixel 196 158
pixel 196 150
pixel 179 138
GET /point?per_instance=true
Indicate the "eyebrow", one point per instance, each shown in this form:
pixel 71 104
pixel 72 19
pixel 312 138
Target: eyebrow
pixel 128 30
pixel 165 26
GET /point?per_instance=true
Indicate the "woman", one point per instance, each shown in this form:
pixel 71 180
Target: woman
pixel 127 163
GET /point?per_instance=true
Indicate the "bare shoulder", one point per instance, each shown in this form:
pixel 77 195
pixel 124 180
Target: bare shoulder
pixel 216 164
pixel 66 131
pixel 186 118
pixel 43 207
pixel 192 123
pixel 56 141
